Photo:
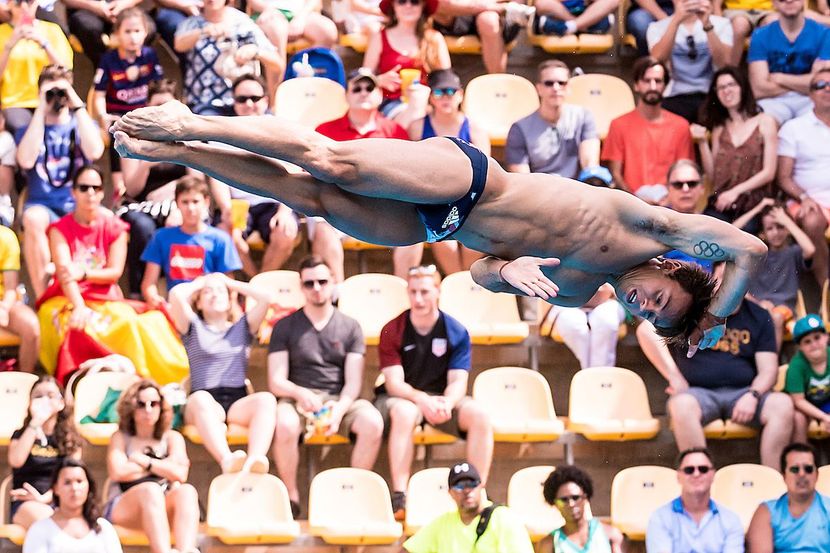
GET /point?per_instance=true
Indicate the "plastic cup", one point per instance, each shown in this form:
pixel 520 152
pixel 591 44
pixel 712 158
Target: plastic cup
pixel 408 76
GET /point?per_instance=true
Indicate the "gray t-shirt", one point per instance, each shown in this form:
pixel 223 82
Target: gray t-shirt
pixel 552 149
pixel 217 358
pixel 690 75
pixel 777 279
pixel 317 359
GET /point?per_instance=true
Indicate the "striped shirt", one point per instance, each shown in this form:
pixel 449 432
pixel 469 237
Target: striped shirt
pixel 217 358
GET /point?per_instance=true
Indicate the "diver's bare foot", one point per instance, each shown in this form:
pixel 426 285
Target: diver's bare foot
pixel 165 123
pixel 147 150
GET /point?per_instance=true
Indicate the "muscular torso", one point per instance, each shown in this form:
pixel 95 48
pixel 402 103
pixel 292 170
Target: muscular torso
pixel 593 231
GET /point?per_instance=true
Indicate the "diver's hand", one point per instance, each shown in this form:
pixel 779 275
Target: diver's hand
pixel 525 274
pixel 709 330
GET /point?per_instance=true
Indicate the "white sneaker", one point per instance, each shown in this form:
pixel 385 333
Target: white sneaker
pixel 516 13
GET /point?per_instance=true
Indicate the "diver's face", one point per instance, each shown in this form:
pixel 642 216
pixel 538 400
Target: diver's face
pixel 648 292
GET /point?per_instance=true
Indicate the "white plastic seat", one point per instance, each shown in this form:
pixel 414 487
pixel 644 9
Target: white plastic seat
pixel 525 499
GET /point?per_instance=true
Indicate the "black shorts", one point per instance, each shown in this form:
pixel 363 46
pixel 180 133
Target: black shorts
pixel 226 396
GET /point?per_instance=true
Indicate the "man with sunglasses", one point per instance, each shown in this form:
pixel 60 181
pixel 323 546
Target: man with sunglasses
pixel 558 138
pixel 478 526
pixel 693 522
pixel 799 520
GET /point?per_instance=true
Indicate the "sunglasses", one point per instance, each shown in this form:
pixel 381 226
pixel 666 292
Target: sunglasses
pixel 405 2
pixel 690 44
pixel 440 92
pixel 244 99
pixel 87 187
pixel 550 82
pixel 679 184
pixel 795 469
pixel 465 485
pixel 369 87
pixel 691 469
pixel 309 284
pixel 153 403
pixel 820 85
pixel 570 498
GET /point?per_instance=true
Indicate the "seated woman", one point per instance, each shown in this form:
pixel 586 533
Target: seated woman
pixel 37 448
pixel 75 526
pixel 218 351
pixel 89 246
pixel 148 465
pixel 570 489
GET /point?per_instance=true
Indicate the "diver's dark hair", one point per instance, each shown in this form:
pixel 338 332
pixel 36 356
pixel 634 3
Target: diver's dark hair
pixel 701 285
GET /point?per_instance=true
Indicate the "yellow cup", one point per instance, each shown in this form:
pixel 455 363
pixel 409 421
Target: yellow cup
pixel 408 76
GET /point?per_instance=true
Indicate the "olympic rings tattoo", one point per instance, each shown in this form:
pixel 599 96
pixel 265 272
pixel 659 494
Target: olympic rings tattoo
pixel 708 249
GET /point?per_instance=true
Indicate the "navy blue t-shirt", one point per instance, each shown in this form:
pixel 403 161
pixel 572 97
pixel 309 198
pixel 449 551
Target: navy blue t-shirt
pixel 769 44
pixel 126 82
pixel 731 363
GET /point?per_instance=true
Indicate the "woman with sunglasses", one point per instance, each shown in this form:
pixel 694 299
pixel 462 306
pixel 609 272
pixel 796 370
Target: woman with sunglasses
pixel 218 349
pixel 148 466
pixel 405 43
pixel 570 489
pixel 741 162
pixel 75 526
pixel 37 448
pixel 695 43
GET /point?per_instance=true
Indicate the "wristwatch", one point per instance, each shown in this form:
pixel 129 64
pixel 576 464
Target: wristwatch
pixel 755 393
pixel 708 27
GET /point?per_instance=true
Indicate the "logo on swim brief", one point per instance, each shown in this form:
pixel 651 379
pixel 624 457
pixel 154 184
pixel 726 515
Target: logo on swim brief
pixel 452 219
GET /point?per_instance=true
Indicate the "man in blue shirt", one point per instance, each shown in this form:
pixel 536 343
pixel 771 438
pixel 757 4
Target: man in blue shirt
pixel 693 522
pixel 782 56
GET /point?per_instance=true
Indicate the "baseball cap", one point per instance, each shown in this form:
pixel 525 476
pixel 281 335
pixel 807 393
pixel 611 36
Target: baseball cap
pixel 444 78
pixel 807 324
pixel 362 73
pixel 461 472
pixel 596 172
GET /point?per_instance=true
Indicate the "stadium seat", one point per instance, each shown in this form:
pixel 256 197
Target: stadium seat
pixel 286 287
pixel 296 45
pixel 248 508
pixel 349 506
pixel 427 497
pixel 610 404
pixel 742 487
pixel 525 499
pixel 310 101
pixel 490 318
pixel 636 492
pixel 15 387
pixel 89 393
pixel 823 484
pixel 469 44
pixel 498 100
pixel 582 43
pixel 605 96
pixel 351 244
pixel 7 339
pixel 355 41
pixel 373 299
pixel 12 532
pixel 520 405
pixel 720 429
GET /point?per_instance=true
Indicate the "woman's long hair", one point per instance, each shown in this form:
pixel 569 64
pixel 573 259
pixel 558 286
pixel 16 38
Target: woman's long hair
pixel 66 436
pixel 90 510
pixel 713 113
pixel 423 30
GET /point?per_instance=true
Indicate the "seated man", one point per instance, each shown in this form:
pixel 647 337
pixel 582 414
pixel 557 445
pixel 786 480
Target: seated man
pixel 190 250
pixel 15 316
pixel 796 521
pixel 782 56
pixel 693 521
pixel 568 17
pixel 733 381
pixel 425 360
pixel 684 190
pixel 443 187
pixel 315 368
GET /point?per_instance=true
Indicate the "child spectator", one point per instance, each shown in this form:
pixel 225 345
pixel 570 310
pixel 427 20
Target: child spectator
pixel 37 448
pixel 775 285
pixel 808 380
pixel 190 250
pixel 122 78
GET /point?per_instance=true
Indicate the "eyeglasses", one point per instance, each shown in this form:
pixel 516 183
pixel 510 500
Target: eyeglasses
pixel 464 485
pixel 820 85
pixel 691 469
pixel 423 270
pixel 405 2
pixel 795 469
pixel 724 86
pixel 94 188
pixel 690 44
pixel 679 184
pixel 369 87
pixel 244 99
pixel 153 403
pixel 447 91
pixel 309 284
pixel 567 499
pixel 550 82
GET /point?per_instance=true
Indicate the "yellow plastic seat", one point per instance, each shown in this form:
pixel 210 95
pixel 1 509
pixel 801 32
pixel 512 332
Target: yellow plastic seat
pixel 490 318
pixel 89 394
pixel 636 492
pixel 498 100
pixel 349 506
pixel 427 497
pixel 525 499
pixel 823 484
pixel 248 508
pixel 296 45
pixel 469 44
pixel 582 43
pixel 373 299
pixel 610 404
pixel 12 532
pixel 519 403
pixel 15 387
pixel 286 288
pixel 742 487
pixel 8 339
pixel 310 101
pixel 815 432
pixel 605 96
pixel 720 429
pixel 355 41
pixel 429 435
pixel 235 434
